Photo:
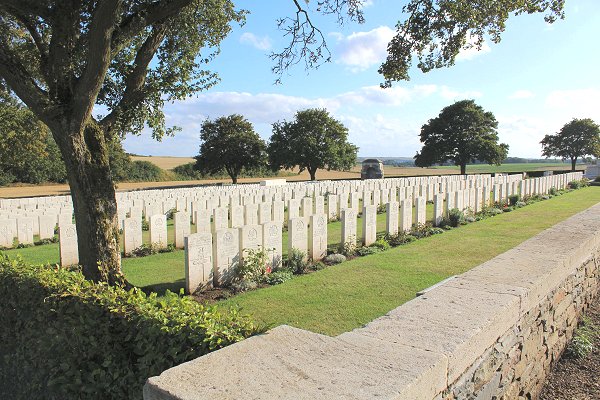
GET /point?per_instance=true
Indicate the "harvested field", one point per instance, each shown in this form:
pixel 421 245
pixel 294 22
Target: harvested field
pixel 164 162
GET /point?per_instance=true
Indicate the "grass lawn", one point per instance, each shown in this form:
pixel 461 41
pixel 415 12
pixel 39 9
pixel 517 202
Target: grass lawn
pixel 166 271
pixel 519 167
pixel 346 296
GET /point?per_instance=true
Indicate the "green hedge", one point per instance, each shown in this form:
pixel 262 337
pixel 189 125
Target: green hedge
pixel 63 337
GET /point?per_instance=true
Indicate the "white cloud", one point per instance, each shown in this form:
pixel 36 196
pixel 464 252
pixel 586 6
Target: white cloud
pixel 456 95
pixel 575 103
pixel 259 42
pixel 521 94
pixel 361 50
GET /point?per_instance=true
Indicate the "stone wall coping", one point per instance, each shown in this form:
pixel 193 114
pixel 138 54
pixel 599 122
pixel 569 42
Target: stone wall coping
pixel 413 352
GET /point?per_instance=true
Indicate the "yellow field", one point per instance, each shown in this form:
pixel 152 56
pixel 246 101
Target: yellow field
pixel 164 162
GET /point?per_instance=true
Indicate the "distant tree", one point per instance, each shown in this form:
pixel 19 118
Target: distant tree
pixel 578 138
pixel 462 133
pixel 314 140
pixel 230 143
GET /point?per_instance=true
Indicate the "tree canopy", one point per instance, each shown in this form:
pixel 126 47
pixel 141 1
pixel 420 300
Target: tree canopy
pixel 314 140
pixel 578 138
pixel 230 143
pixel 462 133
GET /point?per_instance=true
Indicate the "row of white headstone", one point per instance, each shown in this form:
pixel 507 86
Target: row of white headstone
pixel 466 193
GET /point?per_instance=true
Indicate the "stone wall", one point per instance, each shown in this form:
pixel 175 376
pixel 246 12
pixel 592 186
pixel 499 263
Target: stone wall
pixel 490 333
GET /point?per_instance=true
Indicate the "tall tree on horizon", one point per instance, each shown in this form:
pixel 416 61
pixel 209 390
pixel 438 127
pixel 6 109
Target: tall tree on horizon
pixel 577 138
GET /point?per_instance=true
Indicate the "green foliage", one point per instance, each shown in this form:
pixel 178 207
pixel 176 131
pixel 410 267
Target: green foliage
pixel 317 266
pixel 335 258
pixel 436 31
pixel 254 265
pixel 149 249
pixel 578 184
pixel 400 238
pixel 277 277
pixel 28 152
pixel 367 250
pixel 456 217
pixel 582 343
pixel 314 140
pixel 64 337
pixel 143 171
pixel 577 138
pixel 188 172
pixel 296 262
pixel 348 249
pixel 462 133
pixel 381 243
pixel 230 143
pixel 513 199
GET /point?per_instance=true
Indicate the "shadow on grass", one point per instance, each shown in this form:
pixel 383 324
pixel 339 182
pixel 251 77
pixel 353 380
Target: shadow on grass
pixel 161 288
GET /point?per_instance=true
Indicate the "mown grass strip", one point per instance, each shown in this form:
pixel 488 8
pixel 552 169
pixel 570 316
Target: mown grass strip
pixel 346 296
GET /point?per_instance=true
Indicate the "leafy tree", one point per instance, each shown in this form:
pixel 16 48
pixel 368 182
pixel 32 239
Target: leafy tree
pixel 230 143
pixel 27 151
pixel 61 58
pixel 462 133
pixel 314 140
pixel 577 138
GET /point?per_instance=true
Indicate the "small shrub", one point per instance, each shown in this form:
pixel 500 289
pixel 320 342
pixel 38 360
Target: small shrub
pixel 296 262
pixel 470 219
pixel 145 224
pixel 456 217
pixel 400 238
pixel 276 278
pixel 42 242
pixel 583 340
pixel 348 249
pixel 553 191
pixel 382 244
pixel 169 249
pixel 381 209
pixel 254 265
pixel 243 285
pixel 335 258
pixel 24 245
pixel 520 204
pixel 367 250
pixel 317 266
pixel 512 199
pixel 144 250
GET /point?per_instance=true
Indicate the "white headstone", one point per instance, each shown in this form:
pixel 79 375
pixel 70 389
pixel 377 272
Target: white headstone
pixel 317 243
pixel 158 230
pixel 47 224
pixel 132 234
pixel 348 219
pixel 226 256
pixel 181 226
pixel 297 235
pixel 198 261
pixel 369 219
pixel 67 236
pixel 25 230
pixel 406 214
pixel 272 243
pixel 391 221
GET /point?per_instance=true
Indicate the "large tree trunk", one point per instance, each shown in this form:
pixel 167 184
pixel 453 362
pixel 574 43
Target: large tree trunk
pixel 313 173
pixel 573 162
pixel 92 189
pixel 463 169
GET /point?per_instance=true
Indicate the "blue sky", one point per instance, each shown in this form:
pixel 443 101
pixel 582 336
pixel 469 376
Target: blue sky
pixel 535 80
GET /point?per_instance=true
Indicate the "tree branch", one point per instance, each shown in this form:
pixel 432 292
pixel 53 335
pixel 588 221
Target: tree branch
pixel 30 25
pixel 136 79
pixel 21 82
pixel 98 59
pixel 145 16
pixel 27 7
